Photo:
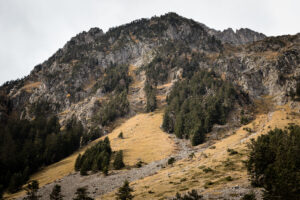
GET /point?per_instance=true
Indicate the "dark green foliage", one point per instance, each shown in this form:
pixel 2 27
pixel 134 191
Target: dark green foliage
pixel 42 108
pixel 118 162
pixel 197 138
pixel 171 161
pixel 250 196
pixel 274 163
pixel 232 151
pixel 193 195
pixel 172 55
pixel 92 135
pixel 82 194
pixel 151 97
pixel 1 192
pixel 124 192
pixel 157 70
pixel 56 193
pixel 16 181
pixel 31 190
pixel 139 164
pixel 245 120
pixel 120 135
pixel 196 104
pixel 28 145
pixel 116 106
pixel 116 79
pixel 228 178
pixel 298 89
pixel 95 158
pixel 207 170
pixel 78 163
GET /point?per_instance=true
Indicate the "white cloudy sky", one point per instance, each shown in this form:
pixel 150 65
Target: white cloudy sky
pixel 32 30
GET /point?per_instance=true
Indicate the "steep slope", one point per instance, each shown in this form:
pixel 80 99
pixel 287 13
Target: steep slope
pixel 214 172
pixel 99 78
pixel 73 77
pixel 143 141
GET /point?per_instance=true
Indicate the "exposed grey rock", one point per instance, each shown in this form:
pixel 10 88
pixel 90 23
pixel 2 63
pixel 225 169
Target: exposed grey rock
pixel 67 79
pixel 240 36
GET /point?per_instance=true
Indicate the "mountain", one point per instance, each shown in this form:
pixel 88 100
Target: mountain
pixel 203 78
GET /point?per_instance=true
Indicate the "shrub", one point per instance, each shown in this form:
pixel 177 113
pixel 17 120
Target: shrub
pixel 193 195
pixel 120 135
pixel 249 130
pixel 232 152
pixel 124 192
pixel 171 161
pixel 207 170
pixel 228 178
pixel 208 183
pixel 245 120
pixel 56 193
pixel 139 164
pixel 82 194
pixel 250 196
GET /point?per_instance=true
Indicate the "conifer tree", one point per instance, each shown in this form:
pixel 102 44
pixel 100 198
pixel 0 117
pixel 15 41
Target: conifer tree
pixel 78 163
pixel 31 190
pixel 56 193
pixel 82 194
pixel 124 192
pixel 118 162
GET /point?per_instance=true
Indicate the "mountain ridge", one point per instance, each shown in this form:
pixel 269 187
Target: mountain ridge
pixel 166 62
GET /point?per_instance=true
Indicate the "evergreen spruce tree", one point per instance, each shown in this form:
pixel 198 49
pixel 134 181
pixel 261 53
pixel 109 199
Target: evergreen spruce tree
pixel 197 138
pixel 120 135
pixel 56 193
pixel 78 163
pixel 82 194
pixel 31 190
pixel 1 192
pixel 124 192
pixel 118 162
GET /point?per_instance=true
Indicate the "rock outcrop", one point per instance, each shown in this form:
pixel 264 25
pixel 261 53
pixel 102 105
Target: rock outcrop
pixel 68 82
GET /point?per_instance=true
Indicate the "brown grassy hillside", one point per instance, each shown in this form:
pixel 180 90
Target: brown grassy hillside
pixel 209 171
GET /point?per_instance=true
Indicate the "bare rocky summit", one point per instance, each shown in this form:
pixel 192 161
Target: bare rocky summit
pixel 68 82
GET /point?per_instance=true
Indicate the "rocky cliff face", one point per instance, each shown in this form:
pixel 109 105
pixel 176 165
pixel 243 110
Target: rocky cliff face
pixel 240 36
pixel 69 83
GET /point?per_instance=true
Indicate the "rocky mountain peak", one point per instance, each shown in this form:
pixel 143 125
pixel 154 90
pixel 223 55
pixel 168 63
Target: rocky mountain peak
pixel 75 76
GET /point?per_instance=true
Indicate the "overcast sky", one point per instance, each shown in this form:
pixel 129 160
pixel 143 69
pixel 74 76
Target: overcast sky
pixel 32 30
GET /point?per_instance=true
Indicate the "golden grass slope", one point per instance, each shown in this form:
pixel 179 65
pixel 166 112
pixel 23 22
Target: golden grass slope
pixel 189 174
pixel 143 140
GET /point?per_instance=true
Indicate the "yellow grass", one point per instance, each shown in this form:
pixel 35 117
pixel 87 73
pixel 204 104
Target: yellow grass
pixel 143 140
pixel 89 85
pixel 170 180
pixel 133 37
pixel 30 86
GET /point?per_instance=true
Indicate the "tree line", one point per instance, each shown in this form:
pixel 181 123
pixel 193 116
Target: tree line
pixel 274 163
pixel 98 157
pixel 196 104
pixel 25 146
